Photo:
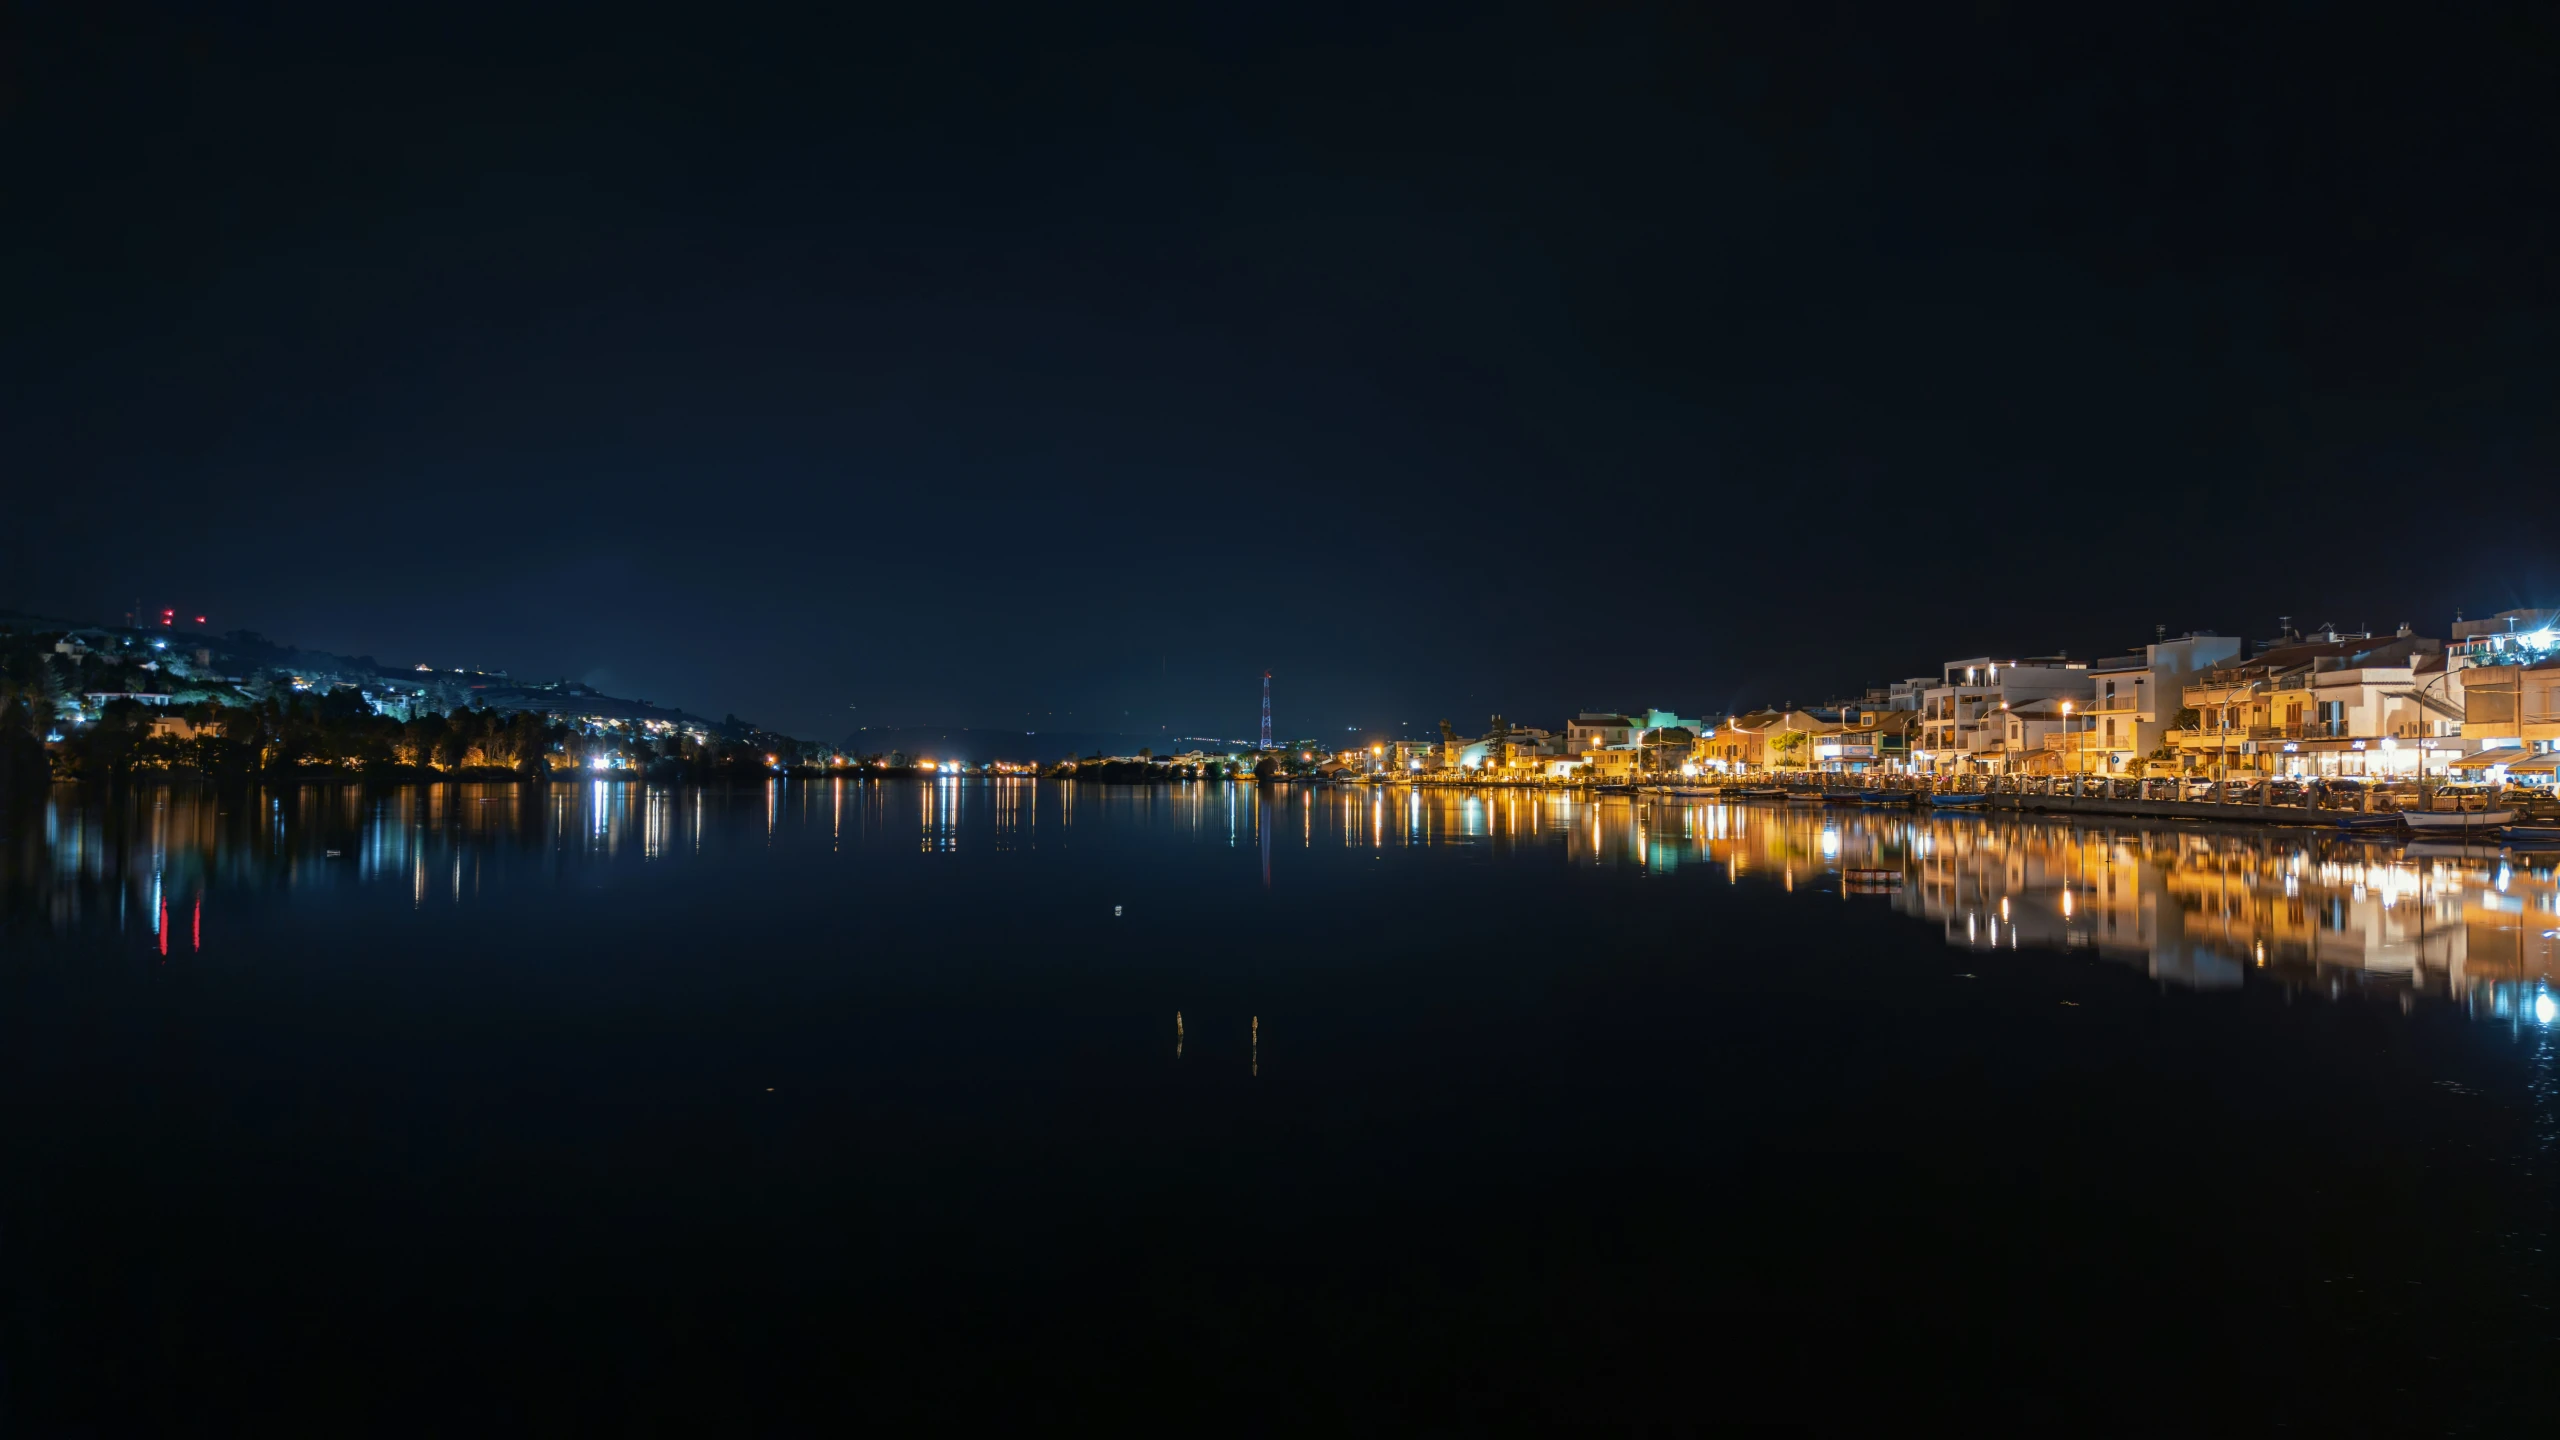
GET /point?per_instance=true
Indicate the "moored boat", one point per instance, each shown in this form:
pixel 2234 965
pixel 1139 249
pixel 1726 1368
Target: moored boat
pixel 1958 802
pixel 2456 822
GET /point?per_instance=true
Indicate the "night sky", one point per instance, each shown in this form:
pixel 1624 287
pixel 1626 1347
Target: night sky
pixel 987 366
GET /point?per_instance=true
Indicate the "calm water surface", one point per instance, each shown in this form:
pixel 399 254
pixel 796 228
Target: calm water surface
pixel 613 1105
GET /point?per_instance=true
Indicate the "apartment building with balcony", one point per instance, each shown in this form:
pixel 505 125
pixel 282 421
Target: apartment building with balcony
pixel 1598 730
pixel 2134 699
pixel 1733 746
pixel 2031 739
pixel 1959 716
pixel 2352 706
pixel 2507 638
pixel 1873 740
pixel 2510 700
pixel 2503 676
pixel 1661 740
pixel 1410 755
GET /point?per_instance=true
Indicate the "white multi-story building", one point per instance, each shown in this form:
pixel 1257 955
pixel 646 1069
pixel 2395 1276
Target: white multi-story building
pixel 2134 699
pixel 1598 730
pixel 1959 716
pixel 2331 707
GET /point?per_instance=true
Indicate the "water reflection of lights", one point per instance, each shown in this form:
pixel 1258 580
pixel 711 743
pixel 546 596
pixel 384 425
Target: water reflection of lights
pixel 2544 1009
pixel 2186 907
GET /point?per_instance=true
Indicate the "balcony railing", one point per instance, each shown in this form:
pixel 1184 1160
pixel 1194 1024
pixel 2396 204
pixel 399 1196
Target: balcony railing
pixel 2305 730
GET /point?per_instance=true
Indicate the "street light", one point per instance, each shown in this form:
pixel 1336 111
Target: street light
pixel 2071 748
pixel 2426 745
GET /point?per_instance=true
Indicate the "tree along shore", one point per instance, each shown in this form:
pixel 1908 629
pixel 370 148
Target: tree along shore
pixel 338 736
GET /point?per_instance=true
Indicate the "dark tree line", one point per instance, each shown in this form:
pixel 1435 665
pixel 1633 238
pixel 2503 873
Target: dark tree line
pixel 339 734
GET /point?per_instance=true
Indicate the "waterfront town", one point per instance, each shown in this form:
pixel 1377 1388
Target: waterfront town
pixel 2323 704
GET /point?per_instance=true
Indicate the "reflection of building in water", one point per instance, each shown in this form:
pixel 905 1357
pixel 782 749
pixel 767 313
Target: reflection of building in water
pixel 2007 885
pixel 2193 907
pixel 2200 909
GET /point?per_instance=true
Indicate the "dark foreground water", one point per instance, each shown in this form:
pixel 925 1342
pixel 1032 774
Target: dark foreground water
pixel 733 1111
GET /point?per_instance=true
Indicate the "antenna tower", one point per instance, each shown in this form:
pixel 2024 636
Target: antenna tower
pixel 1266 709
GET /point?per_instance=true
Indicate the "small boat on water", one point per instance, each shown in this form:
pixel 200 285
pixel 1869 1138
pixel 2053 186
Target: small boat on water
pixel 1958 802
pixel 1804 797
pixel 2453 822
pixel 1756 792
pixel 2533 834
pixel 2357 820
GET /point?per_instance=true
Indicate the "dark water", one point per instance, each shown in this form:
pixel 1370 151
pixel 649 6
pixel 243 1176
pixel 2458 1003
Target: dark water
pixel 623 1108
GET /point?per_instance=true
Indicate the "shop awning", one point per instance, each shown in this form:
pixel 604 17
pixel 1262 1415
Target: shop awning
pixel 2503 755
pixel 2543 764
